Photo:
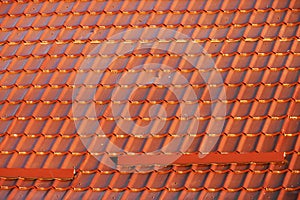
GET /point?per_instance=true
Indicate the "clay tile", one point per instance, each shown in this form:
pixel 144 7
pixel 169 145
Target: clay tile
pixel 17 94
pixel 73 21
pixel 16 35
pixel 247 143
pixel 9 79
pixel 265 46
pixel 4 126
pixel 42 78
pixel 9 22
pixel 254 181
pixel 196 6
pixel 5 7
pixel 273 126
pixel 157 19
pixel 50 35
pixel 291 180
pixel 4 63
pixel 208 19
pixel 274 180
pixel 216 6
pixel 130 6
pixel 176 181
pixel 81 7
pixel 294 4
pixel 4 35
pixel 276 17
pixel 18 161
pixel 270 32
pixel 9 143
pixel 17 9
pixel 41 22
pixel 9 51
pixel 64 7
pixel 57 21
pixel 173 19
pixel 25 79
pixel 287 31
pixel 74 49
pixel 6 92
pixel 263 5
pixel 17 64
pixel 291 17
pixel 26 144
pixel 26 110
pixel 215 181
pixel 58 49
pixel 33 8
pixel 113 7
pixel 33 35
pixel 25 22
pixel 20 124
pixel 233 5
pixel 242 18
pixel 253 31
pixel 49 7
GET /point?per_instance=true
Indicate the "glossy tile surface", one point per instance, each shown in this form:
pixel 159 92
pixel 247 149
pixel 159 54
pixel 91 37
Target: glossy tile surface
pixel 80 84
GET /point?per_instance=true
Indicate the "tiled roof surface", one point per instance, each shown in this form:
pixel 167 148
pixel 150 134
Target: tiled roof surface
pixel 255 48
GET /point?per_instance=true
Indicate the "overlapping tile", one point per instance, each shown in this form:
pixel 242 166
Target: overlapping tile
pixel 50 49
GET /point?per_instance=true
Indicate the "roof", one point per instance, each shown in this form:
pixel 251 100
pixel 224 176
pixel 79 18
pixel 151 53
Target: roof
pixel 82 83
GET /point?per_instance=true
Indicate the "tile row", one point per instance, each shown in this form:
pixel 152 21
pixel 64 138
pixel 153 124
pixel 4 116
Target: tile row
pixel 163 194
pixel 57 127
pixel 100 7
pixel 93 164
pixel 234 64
pixel 42 146
pixel 158 49
pixel 153 94
pixel 133 72
pixel 97 35
pixel 156 181
pixel 26 185
pixel 158 19
pixel 151 109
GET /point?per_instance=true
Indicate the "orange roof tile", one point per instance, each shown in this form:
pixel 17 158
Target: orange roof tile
pixel 84 82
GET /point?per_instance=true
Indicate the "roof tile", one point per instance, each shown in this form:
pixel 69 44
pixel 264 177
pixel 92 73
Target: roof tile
pixel 70 98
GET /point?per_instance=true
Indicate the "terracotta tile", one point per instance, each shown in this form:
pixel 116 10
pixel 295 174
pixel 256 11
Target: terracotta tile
pixel 9 143
pixel 260 79
pixel 4 124
pixel 291 17
pixel 247 143
pixel 242 18
pixel 5 159
pixel 41 21
pixel 17 9
pixel 9 110
pixel 5 7
pixel 20 124
pixel 16 95
pixel 235 126
pixel 35 127
pixel 208 194
pixel 287 31
pixel 9 23
pixel 260 109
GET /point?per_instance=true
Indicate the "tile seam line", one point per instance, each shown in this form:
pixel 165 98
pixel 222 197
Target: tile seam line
pixel 145 188
pixel 167 11
pixel 217 40
pixel 151 26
